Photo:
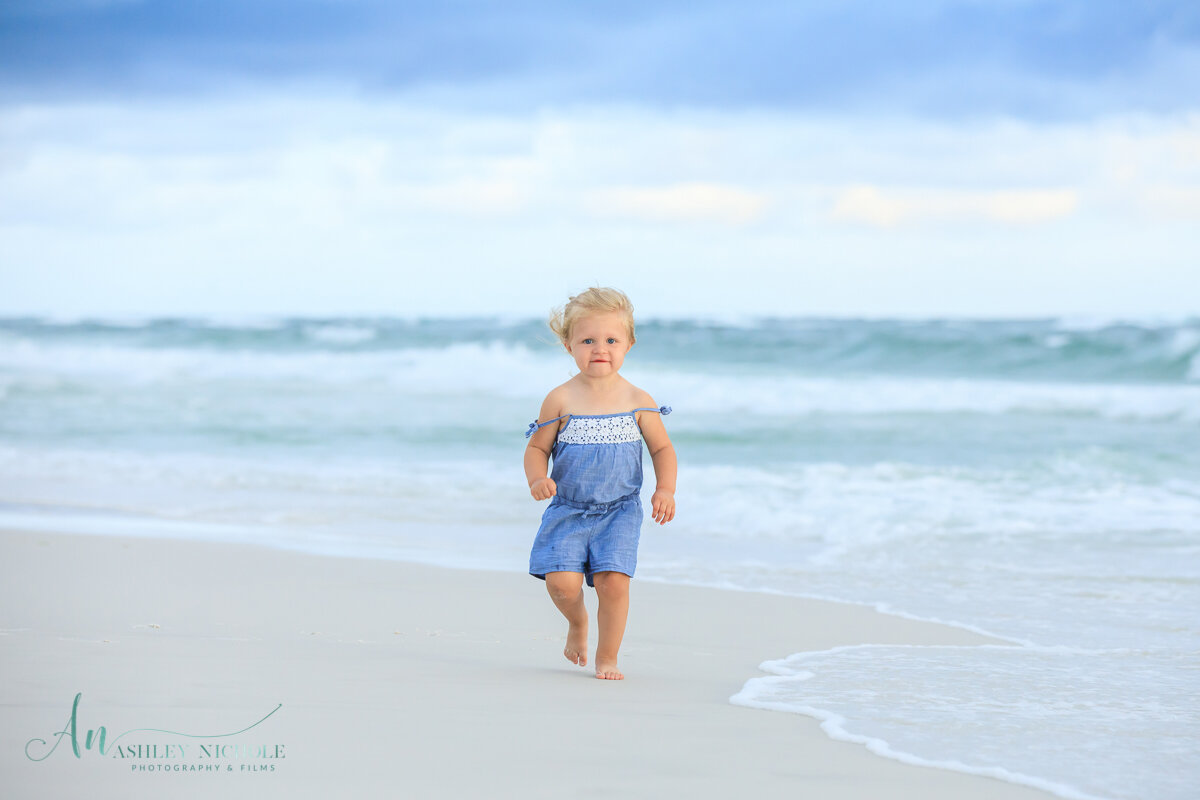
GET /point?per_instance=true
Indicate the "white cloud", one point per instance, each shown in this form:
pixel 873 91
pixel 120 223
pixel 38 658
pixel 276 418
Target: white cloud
pixel 684 202
pixel 891 207
pixel 380 204
pixel 1171 202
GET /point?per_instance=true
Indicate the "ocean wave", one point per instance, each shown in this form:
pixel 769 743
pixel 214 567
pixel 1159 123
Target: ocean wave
pixel 838 728
pixel 1098 322
pixel 1050 350
pixel 833 511
pixel 498 368
pixel 762 397
pixel 962 708
pixel 820 515
pixel 340 334
pixel 520 372
pixel 234 321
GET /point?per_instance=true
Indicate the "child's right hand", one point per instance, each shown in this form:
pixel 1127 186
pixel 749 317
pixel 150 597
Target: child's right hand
pixel 543 489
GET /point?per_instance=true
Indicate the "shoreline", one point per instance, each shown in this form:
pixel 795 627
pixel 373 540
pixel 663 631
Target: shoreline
pixel 427 681
pixel 76 522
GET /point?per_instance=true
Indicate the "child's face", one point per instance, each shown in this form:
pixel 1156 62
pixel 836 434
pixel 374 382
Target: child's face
pixel 599 343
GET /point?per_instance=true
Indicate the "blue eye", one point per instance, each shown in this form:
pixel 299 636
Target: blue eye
pixel 587 341
pixel 611 340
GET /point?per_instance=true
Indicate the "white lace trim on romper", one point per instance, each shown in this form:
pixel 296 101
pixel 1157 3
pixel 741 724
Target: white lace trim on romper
pixel 600 430
pixel 623 426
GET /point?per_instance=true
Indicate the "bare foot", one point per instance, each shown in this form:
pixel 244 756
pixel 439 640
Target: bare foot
pixel 576 649
pixel 607 671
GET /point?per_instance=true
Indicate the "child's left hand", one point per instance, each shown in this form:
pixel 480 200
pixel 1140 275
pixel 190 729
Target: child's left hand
pixel 662 506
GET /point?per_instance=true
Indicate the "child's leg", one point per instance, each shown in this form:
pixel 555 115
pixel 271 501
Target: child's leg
pixel 612 588
pixel 566 590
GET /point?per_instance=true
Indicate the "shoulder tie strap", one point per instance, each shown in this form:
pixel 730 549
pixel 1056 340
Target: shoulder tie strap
pixel 533 426
pixel 664 410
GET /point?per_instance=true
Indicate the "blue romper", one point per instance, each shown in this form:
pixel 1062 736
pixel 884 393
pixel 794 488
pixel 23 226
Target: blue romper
pixel 594 521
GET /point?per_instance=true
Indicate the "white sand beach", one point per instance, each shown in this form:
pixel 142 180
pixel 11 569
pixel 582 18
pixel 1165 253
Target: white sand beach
pixel 402 680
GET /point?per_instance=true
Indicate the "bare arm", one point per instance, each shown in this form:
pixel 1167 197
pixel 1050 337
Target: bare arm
pixel 666 467
pixel 536 462
pixel 537 452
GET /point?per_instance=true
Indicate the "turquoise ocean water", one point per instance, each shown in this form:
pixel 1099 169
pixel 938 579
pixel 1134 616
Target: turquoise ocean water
pixel 1038 480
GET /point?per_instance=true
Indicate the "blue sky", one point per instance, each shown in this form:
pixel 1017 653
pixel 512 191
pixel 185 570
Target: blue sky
pixel 950 158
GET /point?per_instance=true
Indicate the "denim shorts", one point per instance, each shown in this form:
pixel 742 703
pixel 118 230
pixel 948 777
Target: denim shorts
pixel 588 538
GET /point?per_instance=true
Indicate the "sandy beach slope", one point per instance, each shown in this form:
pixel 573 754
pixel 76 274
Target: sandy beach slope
pixel 406 681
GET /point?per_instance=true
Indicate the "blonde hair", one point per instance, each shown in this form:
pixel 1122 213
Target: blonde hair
pixel 596 300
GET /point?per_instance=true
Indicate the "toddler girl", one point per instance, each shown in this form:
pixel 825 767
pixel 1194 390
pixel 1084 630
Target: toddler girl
pixel 594 426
